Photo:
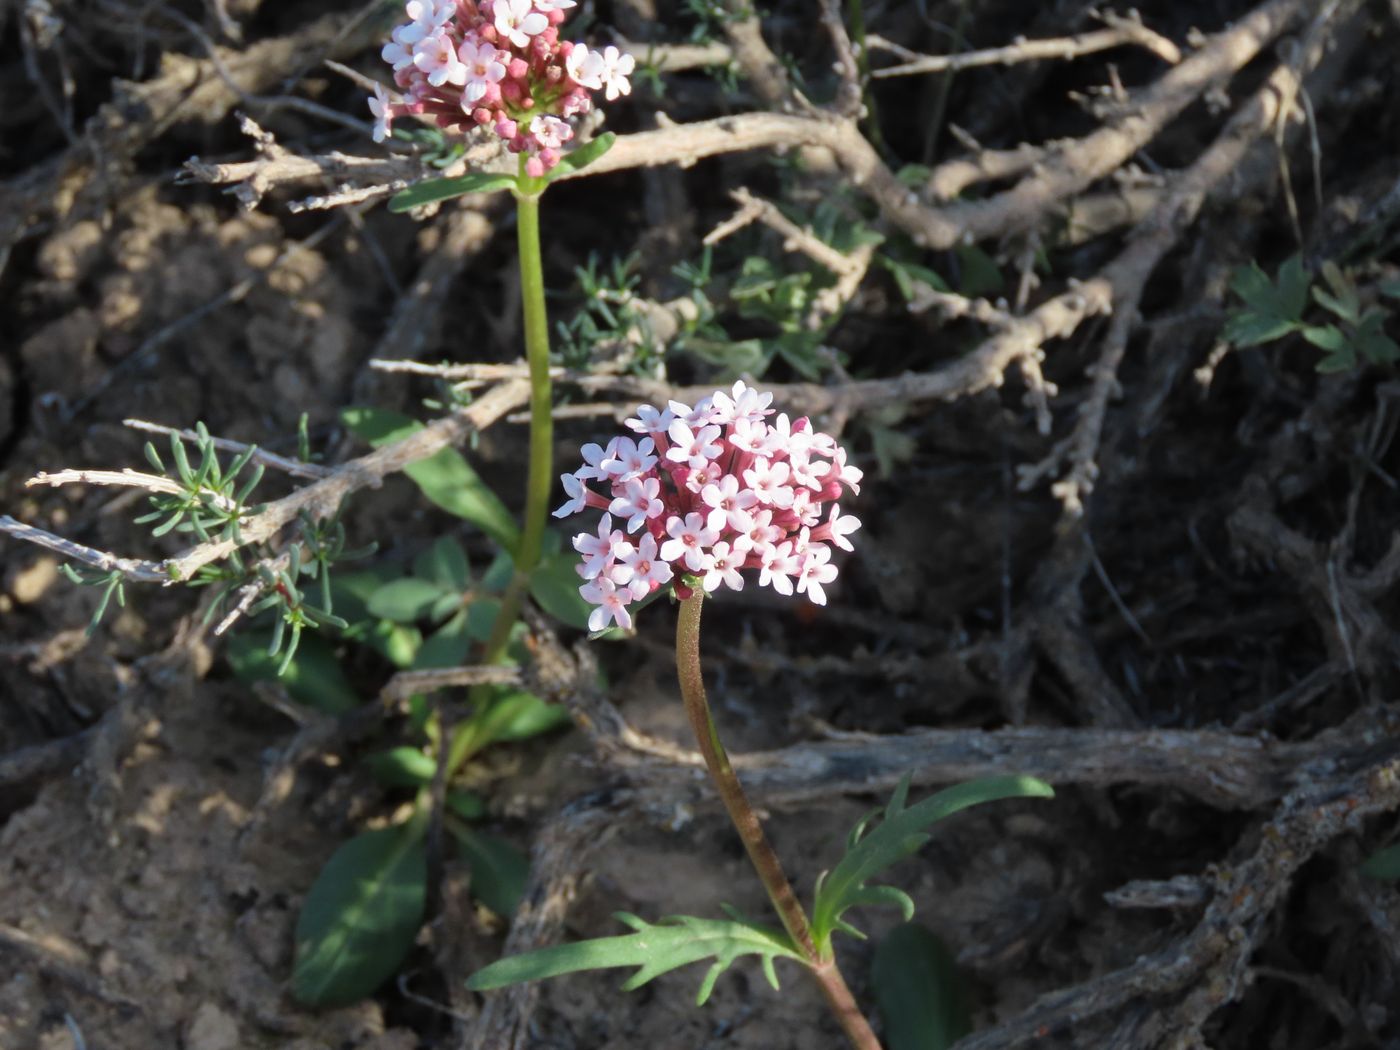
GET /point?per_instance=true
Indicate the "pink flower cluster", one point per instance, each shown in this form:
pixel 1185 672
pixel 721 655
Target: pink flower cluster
pixel 497 64
pixel 705 493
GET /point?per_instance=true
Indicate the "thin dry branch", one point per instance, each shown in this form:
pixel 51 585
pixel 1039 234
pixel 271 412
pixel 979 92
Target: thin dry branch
pixel 1120 32
pixel 1186 982
pixel 320 498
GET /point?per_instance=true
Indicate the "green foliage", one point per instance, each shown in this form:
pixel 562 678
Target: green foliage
pixel 1384 864
pixel 1274 309
pixel 446 478
pixel 360 917
pixel 431 191
pixel 676 941
pixel 498 868
pixel 919 991
pixel 313 676
pixel 579 158
pixel 212 500
pixel 899 834
pixel 110 583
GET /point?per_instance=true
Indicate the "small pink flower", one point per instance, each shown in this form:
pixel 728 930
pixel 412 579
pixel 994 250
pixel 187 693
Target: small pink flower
pixel 777 566
pixel 814 572
pixel 648 570
pixel 688 537
pixel 550 132
pixel 769 482
pixel 693 447
pixel 517 22
pixel 727 501
pixel 584 67
pixel 649 421
pixel 724 568
pixel 383 112
pixel 611 602
pixel 598 550
pixel 437 57
pixel 484 68
pixel 638 502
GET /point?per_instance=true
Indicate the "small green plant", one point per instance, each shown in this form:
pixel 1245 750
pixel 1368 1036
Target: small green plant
pixel 1272 309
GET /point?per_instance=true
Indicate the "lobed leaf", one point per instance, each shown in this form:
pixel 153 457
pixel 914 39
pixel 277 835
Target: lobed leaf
pixel 900 833
pixel 675 941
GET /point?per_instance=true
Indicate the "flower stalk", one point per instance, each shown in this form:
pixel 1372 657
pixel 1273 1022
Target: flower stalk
pixel 541 466
pixel 761 853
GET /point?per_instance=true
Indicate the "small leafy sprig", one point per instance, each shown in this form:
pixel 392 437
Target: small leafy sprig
pixel 210 498
pixel 679 940
pixel 1275 308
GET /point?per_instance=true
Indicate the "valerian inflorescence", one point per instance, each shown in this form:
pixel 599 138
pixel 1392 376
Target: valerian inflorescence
pixel 705 493
pixel 497 64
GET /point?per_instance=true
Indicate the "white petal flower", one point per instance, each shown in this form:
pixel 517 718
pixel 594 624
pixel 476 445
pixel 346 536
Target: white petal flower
pixel 383 113
pixel 617 67
pixel 517 21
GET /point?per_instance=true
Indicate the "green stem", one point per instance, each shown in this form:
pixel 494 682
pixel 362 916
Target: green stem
pixel 765 860
pixel 540 477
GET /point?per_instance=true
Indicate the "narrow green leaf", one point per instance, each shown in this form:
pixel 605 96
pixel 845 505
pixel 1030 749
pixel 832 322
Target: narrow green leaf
pixel 899 834
pixel 919 991
pixel 314 677
pixel 1328 337
pixel 674 942
pixel 446 478
pixel 1384 864
pixel 498 868
pixel 406 600
pixel 360 918
pixel 402 767
pixel 576 160
pixel 434 190
pixel 1390 288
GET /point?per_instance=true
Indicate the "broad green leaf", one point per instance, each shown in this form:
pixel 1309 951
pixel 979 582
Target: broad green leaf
pixel 446 477
pixel 402 767
pixel 576 160
pixel 554 586
pixel 449 646
pixel 397 643
pixel 444 563
pixel 674 942
pixel 445 189
pixel 360 918
pixel 1390 288
pixel 899 834
pixel 978 272
pixel 517 715
pixel 481 617
pixel 498 868
pixel 919 991
pixel 314 677
pixel 406 600
pixel 1383 864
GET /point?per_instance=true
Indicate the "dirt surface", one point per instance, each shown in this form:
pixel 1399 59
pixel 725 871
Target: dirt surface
pixel 1142 531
